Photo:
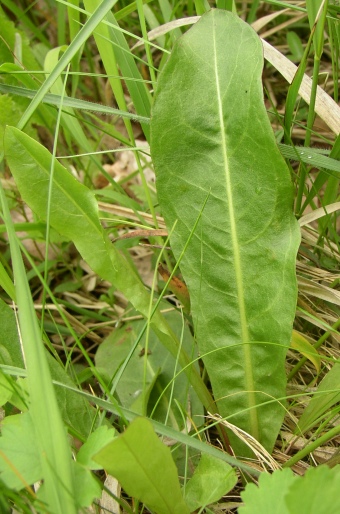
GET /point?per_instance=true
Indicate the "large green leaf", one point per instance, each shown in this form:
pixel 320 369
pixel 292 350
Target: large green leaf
pixel 74 214
pixel 211 142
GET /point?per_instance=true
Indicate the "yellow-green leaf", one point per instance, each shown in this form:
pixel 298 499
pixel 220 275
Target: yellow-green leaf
pixel 300 343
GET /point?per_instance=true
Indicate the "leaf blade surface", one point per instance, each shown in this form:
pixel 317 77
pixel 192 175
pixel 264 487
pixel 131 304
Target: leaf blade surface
pixel 74 214
pixel 145 468
pixel 210 136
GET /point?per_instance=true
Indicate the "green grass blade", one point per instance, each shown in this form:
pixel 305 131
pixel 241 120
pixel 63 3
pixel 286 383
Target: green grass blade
pixel 317 11
pixel 55 454
pixel 145 37
pixel 334 41
pixel 321 179
pixel 74 27
pixel 6 282
pixel 161 429
pixel 327 395
pixel 74 103
pixel 317 17
pixel 293 92
pixel 103 8
pixel 140 96
pixel 107 53
pixel 312 157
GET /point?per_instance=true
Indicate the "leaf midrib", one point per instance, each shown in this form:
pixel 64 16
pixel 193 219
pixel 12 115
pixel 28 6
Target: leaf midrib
pixel 249 378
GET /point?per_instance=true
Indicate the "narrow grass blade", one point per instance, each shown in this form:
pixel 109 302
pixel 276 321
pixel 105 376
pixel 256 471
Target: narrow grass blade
pixel 6 282
pixel 312 157
pixel 327 395
pixel 140 96
pixel 75 103
pixel 55 454
pixel 71 51
pixel 74 27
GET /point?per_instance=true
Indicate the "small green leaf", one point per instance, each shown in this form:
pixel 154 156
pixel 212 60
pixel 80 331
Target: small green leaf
pixel 19 456
pixel 300 343
pixel 326 396
pixel 283 493
pixel 86 486
pixel 144 467
pixel 212 479
pixel 269 496
pixel 95 442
